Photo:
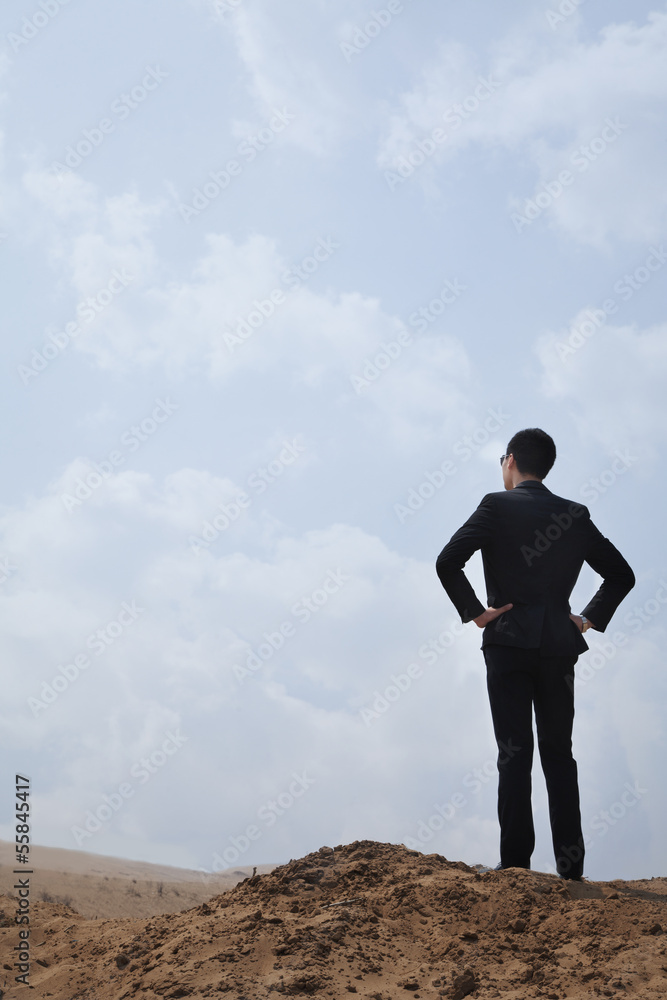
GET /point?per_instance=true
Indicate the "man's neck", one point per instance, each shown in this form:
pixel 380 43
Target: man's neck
pixel 521 478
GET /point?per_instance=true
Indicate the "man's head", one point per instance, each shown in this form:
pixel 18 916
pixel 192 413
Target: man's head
pixel 530 455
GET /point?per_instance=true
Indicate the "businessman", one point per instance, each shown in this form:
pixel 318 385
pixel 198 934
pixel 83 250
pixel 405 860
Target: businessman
pixel 533 544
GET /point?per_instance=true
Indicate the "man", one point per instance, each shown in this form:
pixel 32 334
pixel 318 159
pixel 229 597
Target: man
pixel 533 544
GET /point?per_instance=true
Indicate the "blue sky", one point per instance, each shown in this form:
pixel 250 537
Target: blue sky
pixel 280 284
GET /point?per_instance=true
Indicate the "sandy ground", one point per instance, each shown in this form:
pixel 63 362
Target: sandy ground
pixel 367 919
pixel 98 886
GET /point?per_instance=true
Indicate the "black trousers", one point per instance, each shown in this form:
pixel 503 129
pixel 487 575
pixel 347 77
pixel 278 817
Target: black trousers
pixel 517 680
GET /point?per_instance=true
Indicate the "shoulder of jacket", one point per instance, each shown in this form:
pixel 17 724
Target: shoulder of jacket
pixel 578 509
pixel 491 498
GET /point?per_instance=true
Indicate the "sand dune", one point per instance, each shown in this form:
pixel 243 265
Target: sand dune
pixel 367 919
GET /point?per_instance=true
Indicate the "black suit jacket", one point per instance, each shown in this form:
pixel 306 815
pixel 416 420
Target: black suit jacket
pixel 533 544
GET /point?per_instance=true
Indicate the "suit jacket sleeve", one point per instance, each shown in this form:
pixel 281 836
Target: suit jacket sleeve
pixel 617 579
pixel 477 530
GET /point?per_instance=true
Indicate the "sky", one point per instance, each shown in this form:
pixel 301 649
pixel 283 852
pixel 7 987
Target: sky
pixel 279 284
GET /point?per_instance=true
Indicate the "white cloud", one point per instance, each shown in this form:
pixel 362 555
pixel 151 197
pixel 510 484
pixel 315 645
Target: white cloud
pixel 613 381
pixel 549 101
pixel 289 67
pixel 240 308
pixel 91 235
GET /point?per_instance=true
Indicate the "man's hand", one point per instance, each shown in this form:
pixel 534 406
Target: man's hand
pixel 490 614
pixel 579 623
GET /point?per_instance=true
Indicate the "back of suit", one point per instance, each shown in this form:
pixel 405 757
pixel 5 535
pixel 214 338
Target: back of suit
pixel 533 546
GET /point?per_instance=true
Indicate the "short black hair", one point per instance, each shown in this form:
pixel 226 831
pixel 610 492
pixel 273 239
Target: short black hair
pixel 534 451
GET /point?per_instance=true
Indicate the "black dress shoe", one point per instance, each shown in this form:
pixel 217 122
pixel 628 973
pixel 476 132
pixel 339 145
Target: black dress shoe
pixel 571 878
pixel 500 867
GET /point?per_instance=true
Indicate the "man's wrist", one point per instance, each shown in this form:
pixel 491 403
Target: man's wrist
pixel 585 624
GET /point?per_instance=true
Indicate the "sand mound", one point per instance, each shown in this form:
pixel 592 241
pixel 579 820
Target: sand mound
pixel 371 919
